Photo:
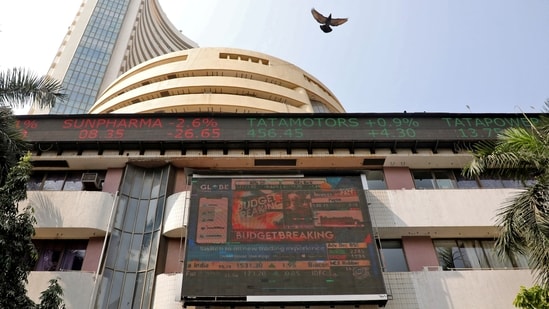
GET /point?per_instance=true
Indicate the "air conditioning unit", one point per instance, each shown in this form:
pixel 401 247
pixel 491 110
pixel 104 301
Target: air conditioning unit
pixel 91 181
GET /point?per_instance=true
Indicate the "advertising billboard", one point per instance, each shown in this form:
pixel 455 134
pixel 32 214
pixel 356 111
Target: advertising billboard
pixel 280 241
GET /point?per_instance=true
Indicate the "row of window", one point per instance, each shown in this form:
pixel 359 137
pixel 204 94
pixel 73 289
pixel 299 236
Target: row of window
pixel 453 254
pixel 375 179
pixel 60 255
pixel 65 181
pixel 453 179
pixel 442 179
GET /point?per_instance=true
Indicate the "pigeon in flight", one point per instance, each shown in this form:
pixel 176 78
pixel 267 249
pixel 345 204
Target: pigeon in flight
pixel 327 21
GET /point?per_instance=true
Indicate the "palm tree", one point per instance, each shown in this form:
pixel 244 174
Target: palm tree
pixel 523 154
pixel 19 88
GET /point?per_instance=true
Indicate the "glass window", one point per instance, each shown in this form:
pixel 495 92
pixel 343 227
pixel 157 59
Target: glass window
pixel 59 180
pixel 54 182
pixel 423 180
pixel 444 179
pixel 434 179
pixel 464 182
pixel 449 256
pixel 35 181
pixel 489 182
pixel 60 255
pixel 392 256
pixel 375 180
pixel 473 254
pixel 73 182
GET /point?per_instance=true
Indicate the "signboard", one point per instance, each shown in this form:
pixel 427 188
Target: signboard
pixel 270 127
pixel 279 241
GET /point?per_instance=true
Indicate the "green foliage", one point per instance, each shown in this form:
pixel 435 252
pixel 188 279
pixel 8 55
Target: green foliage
pixel 12 145
pixel 51 298
pixel 523 154
pixel 17 252
pixel 535 297
pixel 19 87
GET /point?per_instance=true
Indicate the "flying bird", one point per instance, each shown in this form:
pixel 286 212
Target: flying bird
pixel 327 21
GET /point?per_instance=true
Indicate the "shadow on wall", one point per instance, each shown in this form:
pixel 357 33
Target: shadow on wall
pixel 46 214
pixel 381 214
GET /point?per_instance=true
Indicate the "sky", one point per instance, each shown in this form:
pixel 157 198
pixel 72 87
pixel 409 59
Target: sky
pixel 459 56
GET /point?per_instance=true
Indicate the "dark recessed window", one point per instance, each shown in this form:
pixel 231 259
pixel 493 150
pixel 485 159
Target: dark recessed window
pixel 392 256
pixel 60 255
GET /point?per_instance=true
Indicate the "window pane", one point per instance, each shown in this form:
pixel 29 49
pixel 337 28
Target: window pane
pixel 449 255
pixel 138 290
pixel 393 256
pixel 520 260
pixel 493 259
pixel 151 215
pixel 511 183
pixel 423 180
pixel 375 180
pixel 465 182
pixel 141 216
pixel 135 252
pixel 104 288
pixel 127 296
pixel 54 182
pixel 73 182
pixel 35 181
pixel 121 211
pixel 123 251
pixel 444 179
pixel 72 259
pixel 48 260
pixel 116 284
pixel 487 182
pixel 113 248
pixel 131 213
pixel 145 252
pixel 147 187
pixel 469 253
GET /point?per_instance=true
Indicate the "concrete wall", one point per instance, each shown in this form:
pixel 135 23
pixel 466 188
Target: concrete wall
pixel 436 213
pixel 70 214
pixel 486 289
pixel 176 215
pixel 77 286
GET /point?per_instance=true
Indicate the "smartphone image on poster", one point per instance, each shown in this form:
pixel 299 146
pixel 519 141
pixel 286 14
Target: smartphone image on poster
pixel 212 220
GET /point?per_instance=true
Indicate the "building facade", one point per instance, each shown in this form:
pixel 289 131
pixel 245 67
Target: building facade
pixel 124 201
pixel 106 39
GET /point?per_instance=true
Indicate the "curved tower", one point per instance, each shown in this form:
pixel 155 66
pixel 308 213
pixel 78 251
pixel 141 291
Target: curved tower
pixel 226 80
pixel 107 38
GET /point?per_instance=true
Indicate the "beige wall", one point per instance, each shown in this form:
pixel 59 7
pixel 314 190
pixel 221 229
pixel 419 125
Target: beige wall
pixel 70 214
pixel 77 286
pixel 436 213
pixel 175 215
pixel 480 289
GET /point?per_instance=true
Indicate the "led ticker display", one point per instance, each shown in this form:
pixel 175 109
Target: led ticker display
pixel 273 127
pixel 280 240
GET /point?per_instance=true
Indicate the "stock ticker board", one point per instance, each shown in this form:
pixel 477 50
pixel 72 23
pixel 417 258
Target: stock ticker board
pixel 268 127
